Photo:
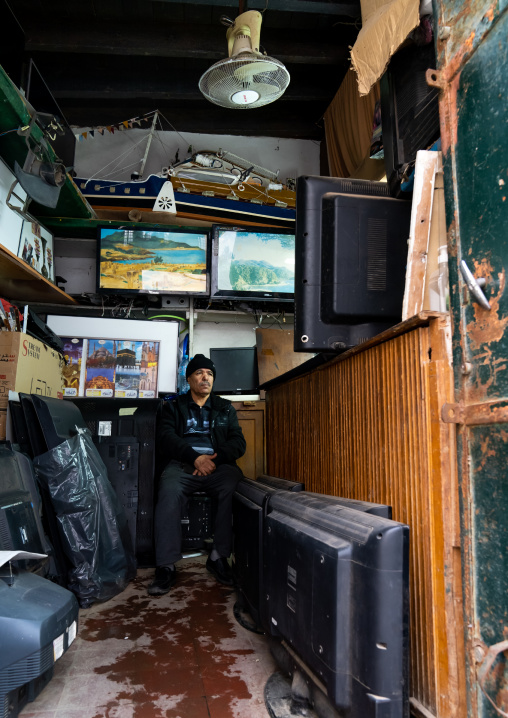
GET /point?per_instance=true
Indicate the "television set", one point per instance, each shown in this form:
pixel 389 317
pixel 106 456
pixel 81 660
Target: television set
pixel 153 260
pixel 38 623
pixel 276 482
pixel 124 431
pixel 248 264
pixel 351 255
pixel 250 505
pixel 20 509
pixel 337 581
pixel 237 370
pixel 409 111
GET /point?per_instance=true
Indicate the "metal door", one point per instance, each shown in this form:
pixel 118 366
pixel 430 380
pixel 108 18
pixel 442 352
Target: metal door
pixel 472 74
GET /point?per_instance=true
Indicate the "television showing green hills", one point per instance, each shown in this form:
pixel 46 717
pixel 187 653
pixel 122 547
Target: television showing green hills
pixel 249 274
pixel 261 261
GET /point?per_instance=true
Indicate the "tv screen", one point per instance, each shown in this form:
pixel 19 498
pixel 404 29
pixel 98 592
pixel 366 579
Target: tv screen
pixel 153 261
pixel 249 264
pixel 237 370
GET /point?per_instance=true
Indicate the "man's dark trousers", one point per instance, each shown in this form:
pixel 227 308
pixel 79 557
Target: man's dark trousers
pixel 176 484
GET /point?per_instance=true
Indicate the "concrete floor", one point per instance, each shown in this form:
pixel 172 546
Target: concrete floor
pixel 182 655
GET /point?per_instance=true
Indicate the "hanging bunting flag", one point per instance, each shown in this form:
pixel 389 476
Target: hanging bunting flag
pixel 121 126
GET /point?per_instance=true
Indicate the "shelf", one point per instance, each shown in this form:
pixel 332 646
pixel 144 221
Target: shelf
pixel 19 282
pixel 17 113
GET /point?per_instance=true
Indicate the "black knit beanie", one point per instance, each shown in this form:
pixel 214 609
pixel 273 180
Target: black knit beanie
pixel 200 362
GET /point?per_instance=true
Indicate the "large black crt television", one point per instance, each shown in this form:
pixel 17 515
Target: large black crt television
pixel 252 264
pixel 339 600
pixel 153 260
pixel 351 255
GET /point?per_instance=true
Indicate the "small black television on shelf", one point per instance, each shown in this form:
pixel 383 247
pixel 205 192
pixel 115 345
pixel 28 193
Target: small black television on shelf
pixel 153 260
pixel 236 370
pixel 252 264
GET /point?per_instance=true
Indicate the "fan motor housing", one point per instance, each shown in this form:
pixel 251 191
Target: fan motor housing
pixel 244 33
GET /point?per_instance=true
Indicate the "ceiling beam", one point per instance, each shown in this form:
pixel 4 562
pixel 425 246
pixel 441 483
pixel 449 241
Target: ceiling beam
pixel 351 9
pixel 179 41
pixel 164 79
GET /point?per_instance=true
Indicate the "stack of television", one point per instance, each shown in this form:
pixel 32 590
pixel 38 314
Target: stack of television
pixel 38 618
pixel 327 579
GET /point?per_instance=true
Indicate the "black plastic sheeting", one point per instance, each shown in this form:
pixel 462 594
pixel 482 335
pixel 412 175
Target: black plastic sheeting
pixel 93 526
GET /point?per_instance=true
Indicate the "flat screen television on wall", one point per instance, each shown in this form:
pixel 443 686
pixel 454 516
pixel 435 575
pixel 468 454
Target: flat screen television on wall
pixel 252 264
pixel 153 260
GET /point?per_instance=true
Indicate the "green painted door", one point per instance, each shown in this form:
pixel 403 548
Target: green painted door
pixel 473 75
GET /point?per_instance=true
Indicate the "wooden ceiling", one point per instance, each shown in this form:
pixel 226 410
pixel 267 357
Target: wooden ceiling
pixel 107 61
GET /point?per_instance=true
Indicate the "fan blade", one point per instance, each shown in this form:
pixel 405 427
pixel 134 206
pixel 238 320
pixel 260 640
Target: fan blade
pixel 245 72
pixel 265 90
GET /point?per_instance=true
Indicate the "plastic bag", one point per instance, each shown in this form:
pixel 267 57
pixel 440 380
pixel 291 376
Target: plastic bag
pixel 92 523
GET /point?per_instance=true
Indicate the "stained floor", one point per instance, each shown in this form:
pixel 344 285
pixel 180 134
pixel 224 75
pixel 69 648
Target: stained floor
pixel 182 655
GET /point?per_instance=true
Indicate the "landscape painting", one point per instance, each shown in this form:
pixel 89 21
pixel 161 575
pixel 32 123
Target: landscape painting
pixel 153 261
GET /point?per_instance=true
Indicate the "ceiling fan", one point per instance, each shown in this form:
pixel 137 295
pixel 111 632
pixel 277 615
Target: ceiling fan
pixel 246 78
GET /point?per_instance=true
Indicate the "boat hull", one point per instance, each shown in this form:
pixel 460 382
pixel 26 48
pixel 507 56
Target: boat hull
pixel 140 196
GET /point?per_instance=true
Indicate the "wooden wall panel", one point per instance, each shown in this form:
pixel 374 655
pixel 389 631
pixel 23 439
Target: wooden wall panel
pixel 368 427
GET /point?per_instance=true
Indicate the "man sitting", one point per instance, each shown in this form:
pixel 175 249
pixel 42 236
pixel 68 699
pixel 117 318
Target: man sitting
pixel 201 439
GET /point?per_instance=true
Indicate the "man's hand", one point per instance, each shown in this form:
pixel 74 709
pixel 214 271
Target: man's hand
pixel 204 465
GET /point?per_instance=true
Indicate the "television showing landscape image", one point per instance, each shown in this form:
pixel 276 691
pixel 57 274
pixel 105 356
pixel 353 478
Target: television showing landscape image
pixel 253 264
pixel 153 261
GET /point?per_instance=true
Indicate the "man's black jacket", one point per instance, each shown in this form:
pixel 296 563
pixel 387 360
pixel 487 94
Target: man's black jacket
pixel 225 431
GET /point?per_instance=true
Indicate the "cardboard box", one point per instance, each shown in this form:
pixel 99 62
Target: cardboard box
pixel 28 365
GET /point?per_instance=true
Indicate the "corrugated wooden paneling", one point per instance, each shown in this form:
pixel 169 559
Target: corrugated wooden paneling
pixel 367 428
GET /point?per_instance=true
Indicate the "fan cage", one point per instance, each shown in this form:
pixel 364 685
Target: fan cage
pixel 219 83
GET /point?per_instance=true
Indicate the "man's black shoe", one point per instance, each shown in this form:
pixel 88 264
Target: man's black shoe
pixel 221 570
pixel 164 578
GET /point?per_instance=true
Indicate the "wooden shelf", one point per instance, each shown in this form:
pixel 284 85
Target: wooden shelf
pixel 19 282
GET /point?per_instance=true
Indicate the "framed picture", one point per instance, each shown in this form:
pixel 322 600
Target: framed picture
pixel 36 248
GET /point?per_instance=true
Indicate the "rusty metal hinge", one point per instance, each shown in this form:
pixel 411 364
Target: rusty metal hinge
pixel 491 412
